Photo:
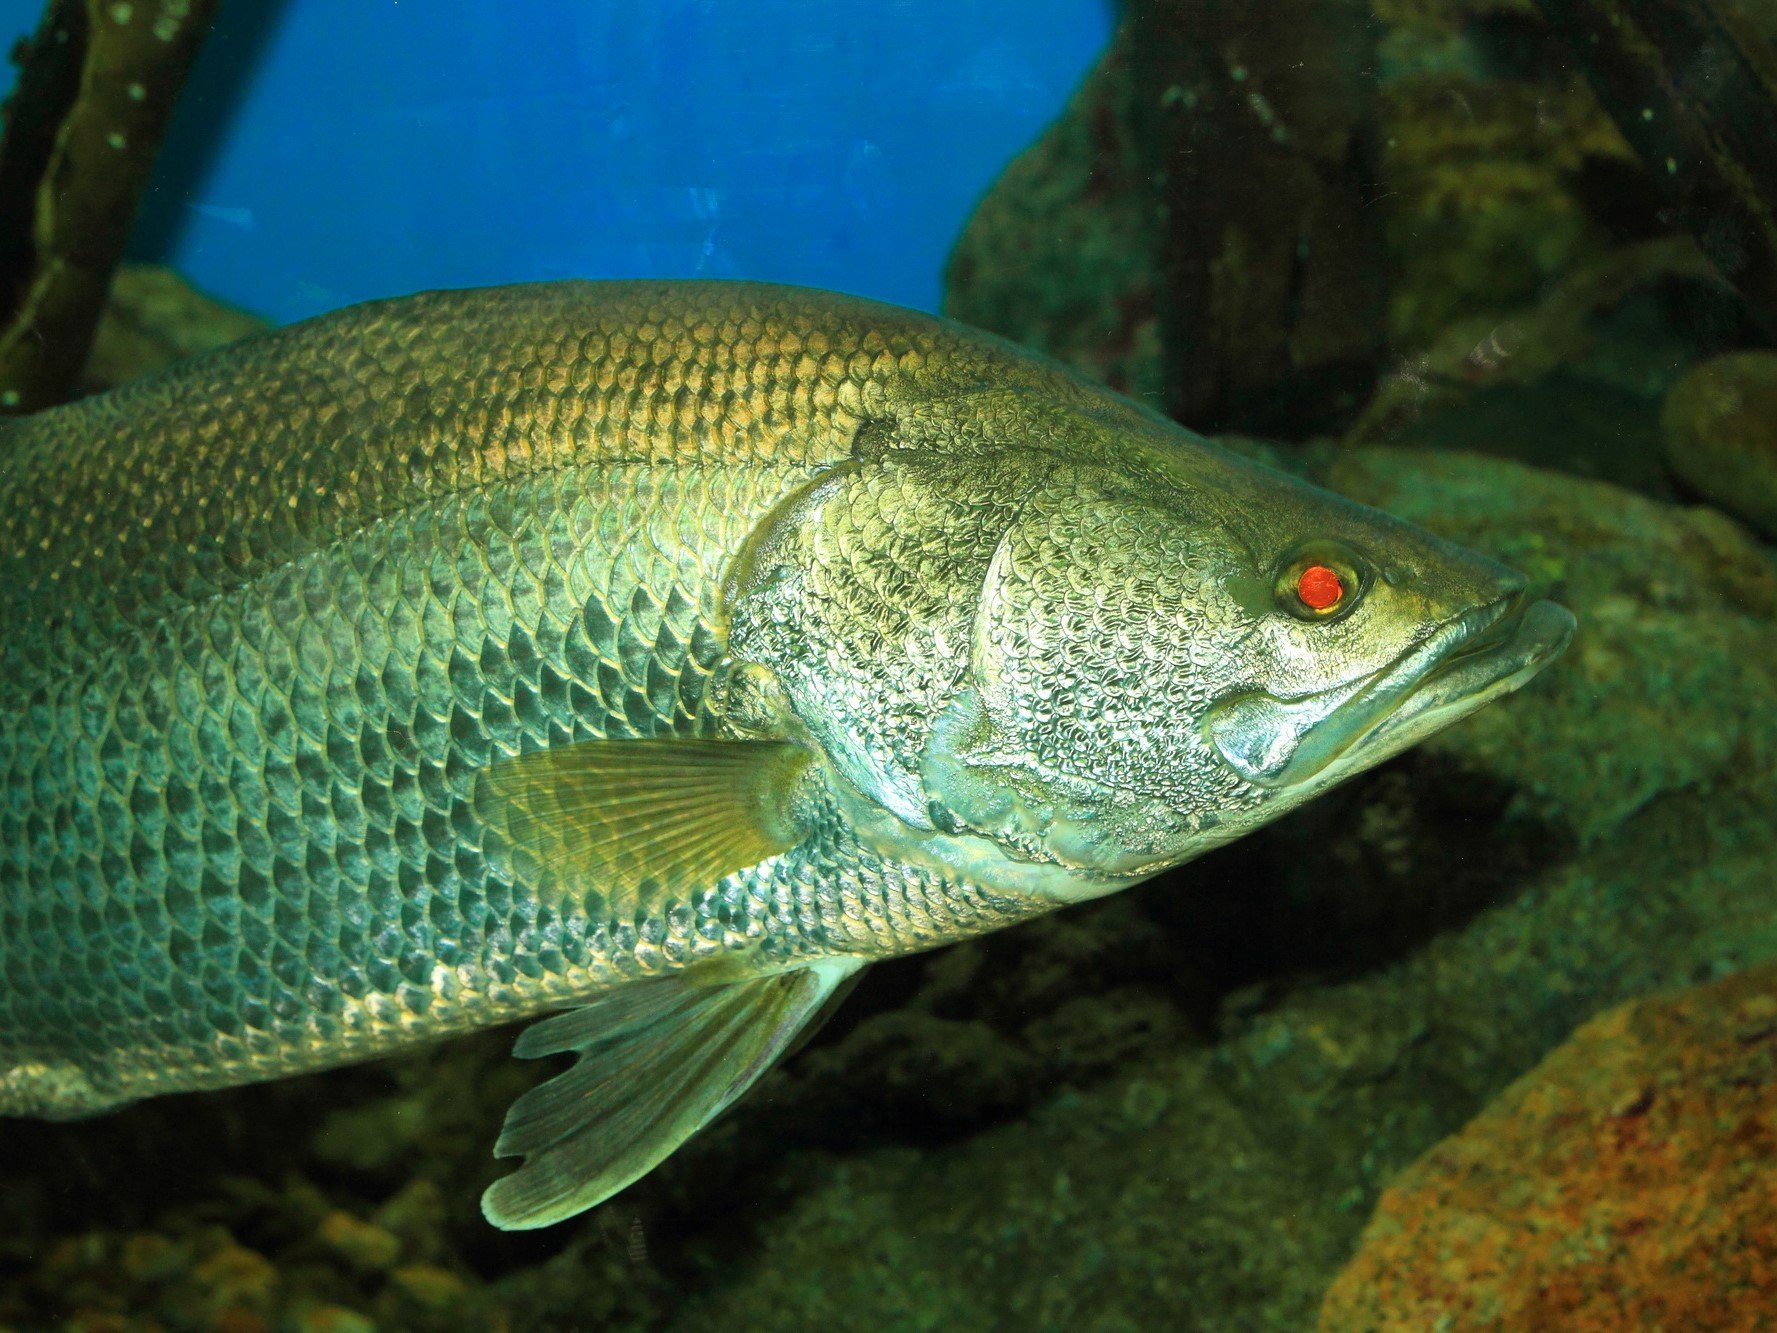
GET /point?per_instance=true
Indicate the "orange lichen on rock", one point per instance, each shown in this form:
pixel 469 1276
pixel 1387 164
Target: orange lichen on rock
pixel 1628 1182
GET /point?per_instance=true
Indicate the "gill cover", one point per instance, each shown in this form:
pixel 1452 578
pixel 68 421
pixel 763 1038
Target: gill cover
pixel 859 595
pixel 1083 637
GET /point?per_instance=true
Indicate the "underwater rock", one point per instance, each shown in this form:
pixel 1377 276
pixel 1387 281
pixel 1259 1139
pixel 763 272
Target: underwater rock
pixel 361 1244
pixel 152 318
pixel 1720 428
pixel 1484 167
pixel 1059 253
pixel 205 1277
pixel 1623 1183
pixel 1485 160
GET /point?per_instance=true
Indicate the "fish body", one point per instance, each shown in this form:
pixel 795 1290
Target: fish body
pixel 659 653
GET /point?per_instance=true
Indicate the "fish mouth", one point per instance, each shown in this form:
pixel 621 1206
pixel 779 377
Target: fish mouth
pixel 1465 663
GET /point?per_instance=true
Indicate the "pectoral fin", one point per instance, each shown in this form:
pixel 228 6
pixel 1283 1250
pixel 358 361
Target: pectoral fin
pixel 658 1061
pixel 639 821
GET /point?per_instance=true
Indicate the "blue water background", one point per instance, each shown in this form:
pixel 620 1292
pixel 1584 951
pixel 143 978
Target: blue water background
pixel 329 151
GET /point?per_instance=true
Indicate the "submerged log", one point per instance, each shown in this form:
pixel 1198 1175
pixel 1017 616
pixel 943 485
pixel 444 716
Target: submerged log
pixel 1259 121
pixel 96 90
pixel 1693 88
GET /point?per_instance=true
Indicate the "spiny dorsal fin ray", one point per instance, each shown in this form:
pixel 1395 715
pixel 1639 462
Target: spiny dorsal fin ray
pixel 659 1060
pixel 642 821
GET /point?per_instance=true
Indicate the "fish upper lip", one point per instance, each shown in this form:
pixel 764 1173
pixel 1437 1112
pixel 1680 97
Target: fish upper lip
pixel 1486 627
pixel 1473 634
pixel 1486 651
pixel 1513 633
pixel 1490 650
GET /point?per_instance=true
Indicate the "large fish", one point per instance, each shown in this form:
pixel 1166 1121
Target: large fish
pixel 656 653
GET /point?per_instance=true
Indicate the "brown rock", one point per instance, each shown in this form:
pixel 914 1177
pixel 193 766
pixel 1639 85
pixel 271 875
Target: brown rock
pixel 1720 427
pixel 148 1257
pixel 430 1286
pixel 361 1244
pixel 1624 1183
pixel 332 1319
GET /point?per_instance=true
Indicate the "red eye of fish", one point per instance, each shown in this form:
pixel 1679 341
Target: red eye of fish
pixel 1320 587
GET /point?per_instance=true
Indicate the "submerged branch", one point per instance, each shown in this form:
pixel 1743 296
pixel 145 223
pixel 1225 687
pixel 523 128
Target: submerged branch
pixel 1694 91
pixel 96 90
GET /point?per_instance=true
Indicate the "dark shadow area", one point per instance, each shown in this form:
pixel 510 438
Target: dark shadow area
pixel 1358 880
pixel 169 1152
pixel 208 106
pixel 1516 45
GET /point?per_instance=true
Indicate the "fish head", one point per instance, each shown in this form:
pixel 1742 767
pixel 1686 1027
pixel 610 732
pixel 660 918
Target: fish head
pixel 1172 651
pixel 1058 671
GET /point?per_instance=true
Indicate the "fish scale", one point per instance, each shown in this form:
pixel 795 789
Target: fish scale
pixel 269 614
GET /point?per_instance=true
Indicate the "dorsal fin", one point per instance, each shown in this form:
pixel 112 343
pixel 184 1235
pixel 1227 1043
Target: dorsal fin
pixel 659 1059
pixel 642 821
